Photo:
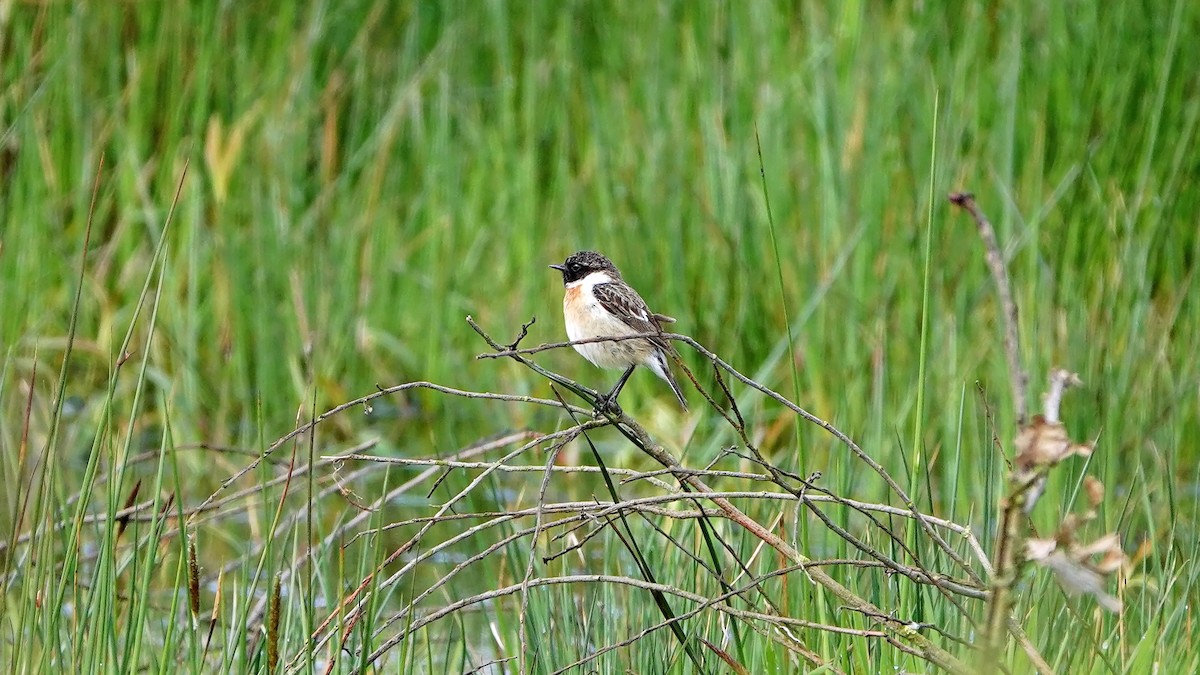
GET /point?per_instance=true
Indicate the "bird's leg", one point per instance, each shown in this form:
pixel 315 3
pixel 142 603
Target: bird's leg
pixel 609 401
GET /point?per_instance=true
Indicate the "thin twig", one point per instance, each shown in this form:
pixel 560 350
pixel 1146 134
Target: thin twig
pixel 634 431
pixel 995 262
pixel 855 449
pixel 1011 528
pixel 412 542
pixel 207 503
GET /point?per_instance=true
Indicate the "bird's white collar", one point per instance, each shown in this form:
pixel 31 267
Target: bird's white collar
pixel 593 279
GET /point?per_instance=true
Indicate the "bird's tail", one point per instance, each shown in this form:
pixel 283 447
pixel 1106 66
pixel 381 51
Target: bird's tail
pixel 675 388
pixel 664 371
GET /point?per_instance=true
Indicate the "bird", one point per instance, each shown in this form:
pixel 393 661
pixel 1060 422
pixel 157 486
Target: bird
pixel 598 303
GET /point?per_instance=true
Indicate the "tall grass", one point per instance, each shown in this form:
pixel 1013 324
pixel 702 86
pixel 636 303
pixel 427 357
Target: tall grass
pixel 365 174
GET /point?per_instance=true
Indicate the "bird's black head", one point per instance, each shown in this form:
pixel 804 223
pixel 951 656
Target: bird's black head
pixel 583 263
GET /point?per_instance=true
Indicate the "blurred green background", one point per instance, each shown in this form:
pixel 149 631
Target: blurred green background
pixel 362 175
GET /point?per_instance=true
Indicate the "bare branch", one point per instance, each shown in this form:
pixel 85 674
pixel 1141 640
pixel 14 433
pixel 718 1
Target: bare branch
pixel 995 262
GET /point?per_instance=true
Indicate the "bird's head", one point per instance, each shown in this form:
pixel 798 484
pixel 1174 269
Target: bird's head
pixel 579 265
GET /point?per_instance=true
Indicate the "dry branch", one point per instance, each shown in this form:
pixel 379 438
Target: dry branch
pixel 1040 444
pixel 902 630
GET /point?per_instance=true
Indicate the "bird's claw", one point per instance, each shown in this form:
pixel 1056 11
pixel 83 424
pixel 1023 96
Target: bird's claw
pixel 606 406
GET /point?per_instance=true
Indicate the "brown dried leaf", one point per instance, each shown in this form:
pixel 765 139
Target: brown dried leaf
pixel 1073 568
pixel 1079 579
pixel 1103 545
pixel 1041 443
pixel 1111 562
pixel 1038 550
pixel 1066 531
pixel 1094 490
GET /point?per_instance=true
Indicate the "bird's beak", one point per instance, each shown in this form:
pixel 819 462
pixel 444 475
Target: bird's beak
pixel 560 268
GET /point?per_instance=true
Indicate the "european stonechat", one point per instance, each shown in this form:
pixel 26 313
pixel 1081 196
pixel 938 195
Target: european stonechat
pixel 598 303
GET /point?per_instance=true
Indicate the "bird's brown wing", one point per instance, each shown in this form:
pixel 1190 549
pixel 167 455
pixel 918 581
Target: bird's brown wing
pixel 625 303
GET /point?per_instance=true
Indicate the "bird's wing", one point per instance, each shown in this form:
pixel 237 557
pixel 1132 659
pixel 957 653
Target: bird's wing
pixel 625 303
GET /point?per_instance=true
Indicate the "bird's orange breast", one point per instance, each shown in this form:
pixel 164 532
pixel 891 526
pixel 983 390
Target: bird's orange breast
pixel 585 317
pixel 572 295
